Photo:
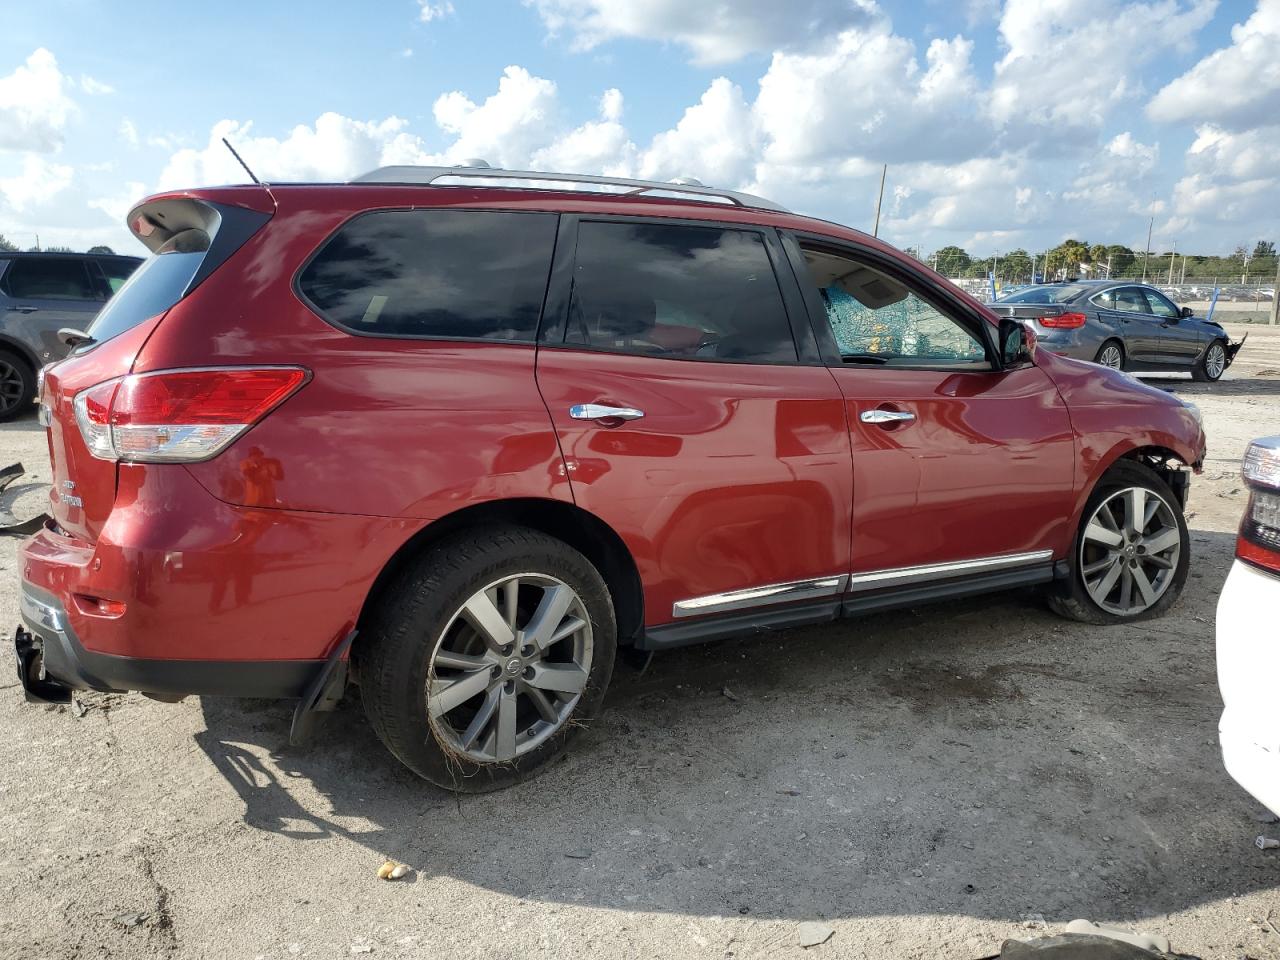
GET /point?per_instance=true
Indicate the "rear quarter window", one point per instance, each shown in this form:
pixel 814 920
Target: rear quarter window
pixel 448 274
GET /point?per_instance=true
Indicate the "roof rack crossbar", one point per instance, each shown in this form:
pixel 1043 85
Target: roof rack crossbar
pixel 429 175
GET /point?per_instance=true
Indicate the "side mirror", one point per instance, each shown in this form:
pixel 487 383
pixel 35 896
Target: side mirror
pixel 1186 312
pixel 1017 343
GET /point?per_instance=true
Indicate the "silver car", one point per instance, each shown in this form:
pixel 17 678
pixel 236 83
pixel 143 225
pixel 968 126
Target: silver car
pixel 40 294
pixel 1121 324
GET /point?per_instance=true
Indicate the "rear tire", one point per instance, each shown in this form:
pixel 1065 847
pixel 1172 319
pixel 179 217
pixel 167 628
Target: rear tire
pixel 482 661
pixel 17 386
pixel 1212 365
pixel 1111 354
pixel 1126 565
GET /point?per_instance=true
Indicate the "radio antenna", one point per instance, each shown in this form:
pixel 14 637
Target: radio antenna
pixel 240 159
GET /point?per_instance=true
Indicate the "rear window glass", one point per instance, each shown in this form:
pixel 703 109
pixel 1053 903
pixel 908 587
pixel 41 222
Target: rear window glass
pixel 1054 294
pixel 456 274
pixel 117 272
pixel 154 287
pixel 53 279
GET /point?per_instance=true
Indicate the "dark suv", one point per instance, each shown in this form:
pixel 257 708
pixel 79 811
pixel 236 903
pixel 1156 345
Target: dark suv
pixel 460 435
pixel 40 294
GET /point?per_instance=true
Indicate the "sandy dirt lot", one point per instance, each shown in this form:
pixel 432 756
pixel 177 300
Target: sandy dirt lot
pixel 927 783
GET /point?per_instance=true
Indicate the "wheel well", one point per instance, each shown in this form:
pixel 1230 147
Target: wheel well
pixel 585 532
pixel 1117 341
pixel 1166 464
pixel 21 351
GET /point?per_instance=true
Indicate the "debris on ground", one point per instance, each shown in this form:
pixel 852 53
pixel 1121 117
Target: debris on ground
pixel 789 792
pixel 78 707
pixel 1266 816
pixel 579 853
pixel 812 933
pixel 1266 843
pixel 129 920
pixel 729 694
pixel 392 870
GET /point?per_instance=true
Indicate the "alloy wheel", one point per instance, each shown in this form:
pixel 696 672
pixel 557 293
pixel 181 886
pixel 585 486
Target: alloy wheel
pixel 12 386
pixel 1111 357
pixel 509 668
pixel 1129 551
pixel 1215 361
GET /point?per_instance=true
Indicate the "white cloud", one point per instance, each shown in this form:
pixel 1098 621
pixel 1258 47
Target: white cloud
pixel 714 31
pixel 34 106
pixel 118 206
pixel 38 183
pixel 713 141
pixel 429 11
pixel 1236 87
pixel 598 146
pixel 128 132
pixel 407 52
pixel 508 127
pixel 336 148
pixel 1068 63
pixel 94 87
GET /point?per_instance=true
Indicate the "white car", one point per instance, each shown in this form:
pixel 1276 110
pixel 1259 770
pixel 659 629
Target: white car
pixel 1249 635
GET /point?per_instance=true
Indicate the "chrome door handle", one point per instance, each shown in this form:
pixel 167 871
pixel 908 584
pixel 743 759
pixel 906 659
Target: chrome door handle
pixel 886 416
pixel 598 411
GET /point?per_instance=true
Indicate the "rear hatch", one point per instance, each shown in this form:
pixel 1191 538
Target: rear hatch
pixel 1028 311
pixel 190 237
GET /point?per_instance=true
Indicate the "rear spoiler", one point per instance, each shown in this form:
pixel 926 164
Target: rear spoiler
pixel 218 228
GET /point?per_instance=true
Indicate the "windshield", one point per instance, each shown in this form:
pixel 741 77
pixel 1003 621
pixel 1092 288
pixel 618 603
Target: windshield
pixel 1058 293
pixel 154 287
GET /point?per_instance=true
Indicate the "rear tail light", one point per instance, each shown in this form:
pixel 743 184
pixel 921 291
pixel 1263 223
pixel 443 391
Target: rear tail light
pixel 179 416
pixel 1064 321
pixel 1259 541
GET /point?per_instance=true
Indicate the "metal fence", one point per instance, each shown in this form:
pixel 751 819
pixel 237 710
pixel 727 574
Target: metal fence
pixel 1240 295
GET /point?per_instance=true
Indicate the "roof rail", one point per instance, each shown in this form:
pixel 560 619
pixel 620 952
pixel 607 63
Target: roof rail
pixel 681 187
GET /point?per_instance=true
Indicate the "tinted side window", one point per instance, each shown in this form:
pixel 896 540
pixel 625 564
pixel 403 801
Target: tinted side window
pixel 1131 300
pixel 701 293
pixel 117 272
pixel 55 279
pixel 459 274
pixel 1159 305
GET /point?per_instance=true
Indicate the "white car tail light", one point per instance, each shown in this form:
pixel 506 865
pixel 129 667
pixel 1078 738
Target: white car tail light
pixel 179 416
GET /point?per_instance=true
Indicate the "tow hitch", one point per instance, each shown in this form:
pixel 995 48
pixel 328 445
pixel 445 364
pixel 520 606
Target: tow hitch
pixel 37 687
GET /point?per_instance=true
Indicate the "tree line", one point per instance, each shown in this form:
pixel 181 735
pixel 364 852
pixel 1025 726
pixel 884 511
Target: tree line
pixel 1079 258
pixel 8 246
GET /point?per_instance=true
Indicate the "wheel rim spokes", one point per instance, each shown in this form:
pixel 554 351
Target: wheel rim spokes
pixel 1215 362
pixel 509 668
pixel 1129 551
pixel 1111 357
pixel 11 388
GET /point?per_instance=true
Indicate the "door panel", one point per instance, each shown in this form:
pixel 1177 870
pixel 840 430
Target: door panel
pixel 1141 331
pixel 986 468
pixel 737 475
pixel 1179 342
pixel 953 460
pixel 45 295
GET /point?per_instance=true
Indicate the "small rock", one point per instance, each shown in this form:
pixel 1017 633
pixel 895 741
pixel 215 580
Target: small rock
pixel 401 870
pixel 362 948
pixel 744 910
pixel 812 933
pixel 729 693
pixel 969 888
pixel 129 920
pixel 581 853
pixel 917 873
pixel 78 707
pixel 789 793
pixel 384 871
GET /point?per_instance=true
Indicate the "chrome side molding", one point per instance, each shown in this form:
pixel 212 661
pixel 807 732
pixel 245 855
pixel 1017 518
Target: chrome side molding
pixel 902 575
pixel 816 589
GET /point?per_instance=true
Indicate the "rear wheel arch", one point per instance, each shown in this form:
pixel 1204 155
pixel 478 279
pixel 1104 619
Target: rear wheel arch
pixel 578 528
pixel 21 351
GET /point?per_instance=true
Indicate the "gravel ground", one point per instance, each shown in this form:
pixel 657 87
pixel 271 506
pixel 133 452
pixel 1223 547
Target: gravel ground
pixel 926 783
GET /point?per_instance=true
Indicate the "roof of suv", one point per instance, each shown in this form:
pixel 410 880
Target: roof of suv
pixel 61 254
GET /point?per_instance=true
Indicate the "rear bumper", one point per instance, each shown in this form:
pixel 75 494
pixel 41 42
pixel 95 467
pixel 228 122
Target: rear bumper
pixel 52 661
pixel 1079 344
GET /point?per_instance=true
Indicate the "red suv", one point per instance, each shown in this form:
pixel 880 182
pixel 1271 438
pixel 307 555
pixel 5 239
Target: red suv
pixel 459 435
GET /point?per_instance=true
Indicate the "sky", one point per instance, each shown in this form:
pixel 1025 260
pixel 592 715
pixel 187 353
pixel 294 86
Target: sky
pixel 1004 124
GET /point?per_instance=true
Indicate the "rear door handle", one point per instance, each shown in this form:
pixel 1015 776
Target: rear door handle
pixel 599 411
pixel 886 416
pixel 25 308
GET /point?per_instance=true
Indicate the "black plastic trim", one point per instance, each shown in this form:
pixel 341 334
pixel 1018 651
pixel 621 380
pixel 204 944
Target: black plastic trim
pixel 946 589
pixel 685 633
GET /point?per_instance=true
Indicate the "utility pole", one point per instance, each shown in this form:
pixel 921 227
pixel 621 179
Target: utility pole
pixel 1146 254
pixel 1245 272
pixel 875 231
pixel 1108 266
pixel 1033 268
pixel 1172 255
pixel 1183 277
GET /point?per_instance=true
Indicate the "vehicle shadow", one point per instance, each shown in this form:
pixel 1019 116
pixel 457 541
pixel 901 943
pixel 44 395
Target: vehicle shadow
pixel 981 758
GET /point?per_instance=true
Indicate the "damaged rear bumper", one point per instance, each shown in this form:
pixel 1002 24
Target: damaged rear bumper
pixel 52 662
